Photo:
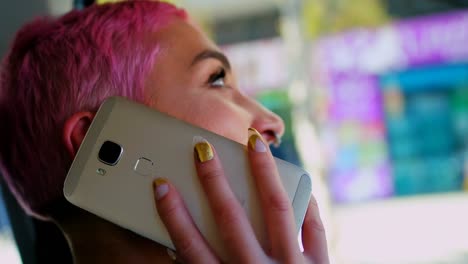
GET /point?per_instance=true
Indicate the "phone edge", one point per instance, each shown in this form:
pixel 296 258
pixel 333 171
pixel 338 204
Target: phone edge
pixel 74 172
pixel 301 199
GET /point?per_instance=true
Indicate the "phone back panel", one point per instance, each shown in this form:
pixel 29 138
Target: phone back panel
pixel 124 194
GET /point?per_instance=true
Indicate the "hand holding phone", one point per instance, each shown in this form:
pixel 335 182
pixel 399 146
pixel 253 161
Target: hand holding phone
pixel 128 145
pixel 236 232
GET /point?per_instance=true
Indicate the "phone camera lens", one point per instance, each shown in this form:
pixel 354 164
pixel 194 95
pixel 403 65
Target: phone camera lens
pixel 110 153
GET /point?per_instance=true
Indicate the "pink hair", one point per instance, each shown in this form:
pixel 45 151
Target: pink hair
pixel 57 67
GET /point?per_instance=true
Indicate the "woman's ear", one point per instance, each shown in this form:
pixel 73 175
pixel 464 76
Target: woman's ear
pixel 75 130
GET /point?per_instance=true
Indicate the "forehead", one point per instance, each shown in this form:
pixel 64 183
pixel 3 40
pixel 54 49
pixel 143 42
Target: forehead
pixel 182 40
pixel 179 43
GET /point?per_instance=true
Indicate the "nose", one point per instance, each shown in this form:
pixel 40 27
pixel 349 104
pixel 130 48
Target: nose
pixel 267 123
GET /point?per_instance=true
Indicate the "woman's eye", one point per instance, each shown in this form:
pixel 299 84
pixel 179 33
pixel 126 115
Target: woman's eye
pixel 218 79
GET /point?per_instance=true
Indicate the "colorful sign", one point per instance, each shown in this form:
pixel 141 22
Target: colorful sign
pixel 361 164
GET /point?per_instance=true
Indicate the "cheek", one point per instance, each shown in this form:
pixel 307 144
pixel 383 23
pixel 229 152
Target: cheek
pixel 226 120
pixel 215 113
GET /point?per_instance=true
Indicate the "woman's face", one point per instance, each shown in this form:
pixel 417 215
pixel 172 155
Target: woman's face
pixel 193 81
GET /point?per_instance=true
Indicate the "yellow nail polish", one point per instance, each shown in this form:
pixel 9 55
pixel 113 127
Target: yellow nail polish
pixel 204 151
pixel 159 181
pixel 256 141
pixel 160 187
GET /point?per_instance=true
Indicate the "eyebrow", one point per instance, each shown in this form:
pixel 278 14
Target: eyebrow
pixel 212 54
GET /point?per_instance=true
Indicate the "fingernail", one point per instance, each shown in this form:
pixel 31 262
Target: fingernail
pixel 256 142
pixel 203 149
pixel 171 254
pixel 161 187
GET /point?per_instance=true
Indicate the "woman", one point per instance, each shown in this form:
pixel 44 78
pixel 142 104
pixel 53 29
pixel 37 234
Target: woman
pixel 54 79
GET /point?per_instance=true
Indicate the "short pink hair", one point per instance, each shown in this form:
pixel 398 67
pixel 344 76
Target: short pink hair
pixel 57 67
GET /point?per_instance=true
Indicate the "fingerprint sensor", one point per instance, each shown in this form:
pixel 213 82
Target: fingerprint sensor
pixel 144 167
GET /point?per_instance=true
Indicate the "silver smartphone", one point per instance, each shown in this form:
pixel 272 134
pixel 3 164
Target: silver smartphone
pixel 128 145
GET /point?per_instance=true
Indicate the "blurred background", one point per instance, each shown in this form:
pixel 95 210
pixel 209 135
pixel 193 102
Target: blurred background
pixel 374 94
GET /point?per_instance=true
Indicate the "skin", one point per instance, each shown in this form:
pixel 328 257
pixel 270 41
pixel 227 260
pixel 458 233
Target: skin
pixel 188 82
pixel 180 86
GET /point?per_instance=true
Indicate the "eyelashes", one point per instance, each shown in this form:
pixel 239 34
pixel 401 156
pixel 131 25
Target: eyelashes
pixel 218 79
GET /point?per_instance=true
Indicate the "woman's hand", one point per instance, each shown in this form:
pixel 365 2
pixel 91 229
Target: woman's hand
pixel 237 234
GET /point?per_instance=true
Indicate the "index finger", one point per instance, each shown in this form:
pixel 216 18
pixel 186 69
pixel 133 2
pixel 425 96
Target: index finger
pixel 234 227
pixel 276 205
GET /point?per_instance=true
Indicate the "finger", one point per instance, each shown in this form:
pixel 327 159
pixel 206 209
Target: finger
pixel 275 202
pixel 313 235
pixel 233 225
pixel 189 243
